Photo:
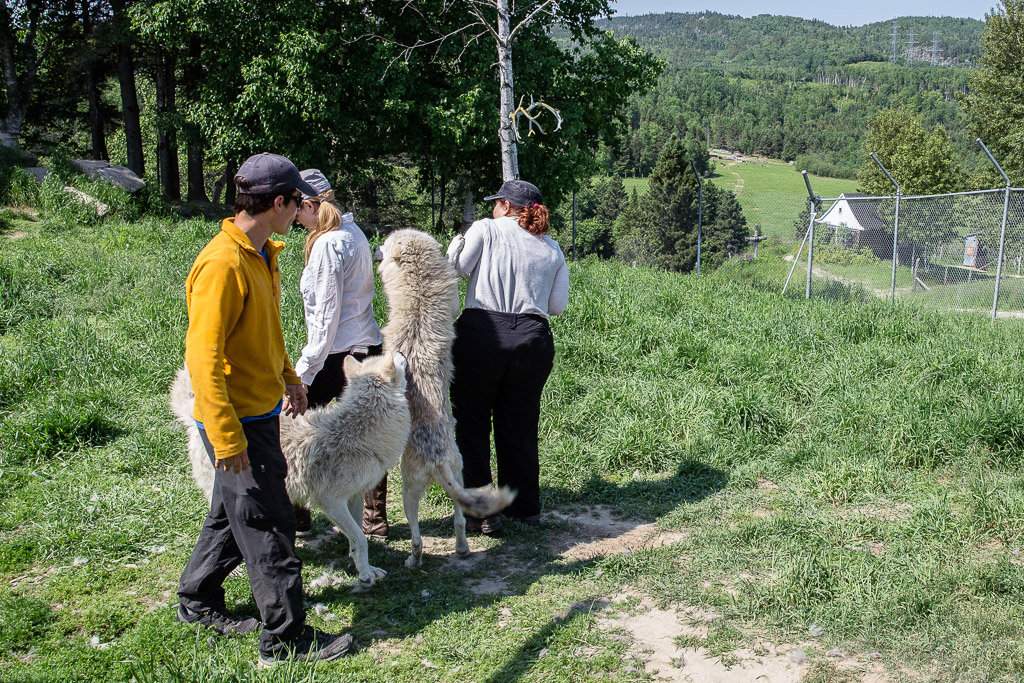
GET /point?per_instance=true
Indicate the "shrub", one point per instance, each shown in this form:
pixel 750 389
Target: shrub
pixel 838 255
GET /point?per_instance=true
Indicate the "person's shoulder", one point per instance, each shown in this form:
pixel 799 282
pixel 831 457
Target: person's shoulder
pixel 484 225
pixel 221 250
pixel 554 245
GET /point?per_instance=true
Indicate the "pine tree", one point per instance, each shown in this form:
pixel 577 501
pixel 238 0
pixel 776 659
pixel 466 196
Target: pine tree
pixel 672 203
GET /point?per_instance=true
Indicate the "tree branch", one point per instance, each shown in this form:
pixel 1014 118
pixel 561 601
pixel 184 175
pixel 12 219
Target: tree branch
pixel 544 7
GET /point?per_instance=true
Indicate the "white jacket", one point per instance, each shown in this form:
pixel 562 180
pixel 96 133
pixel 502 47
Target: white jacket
pixel 337 295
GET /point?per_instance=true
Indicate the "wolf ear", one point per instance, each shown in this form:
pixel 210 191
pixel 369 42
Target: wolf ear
pixel 350 366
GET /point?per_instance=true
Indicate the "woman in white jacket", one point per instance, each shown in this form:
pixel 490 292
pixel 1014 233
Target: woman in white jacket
pixel 337 295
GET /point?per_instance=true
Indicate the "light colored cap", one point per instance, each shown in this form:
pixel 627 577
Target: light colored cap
pixel 317 180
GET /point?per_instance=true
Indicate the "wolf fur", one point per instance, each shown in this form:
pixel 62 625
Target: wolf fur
pixel 336 453
pixel 423 300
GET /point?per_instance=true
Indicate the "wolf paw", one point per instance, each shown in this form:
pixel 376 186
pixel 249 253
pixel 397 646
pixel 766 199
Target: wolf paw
pixel 369 579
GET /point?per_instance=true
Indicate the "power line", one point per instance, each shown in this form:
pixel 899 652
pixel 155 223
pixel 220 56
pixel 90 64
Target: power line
pixel 911 43
pixel 935 48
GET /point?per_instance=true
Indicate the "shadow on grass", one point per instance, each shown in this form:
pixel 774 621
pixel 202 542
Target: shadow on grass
pixel 530 652
pixel 574 538
pixel 692 482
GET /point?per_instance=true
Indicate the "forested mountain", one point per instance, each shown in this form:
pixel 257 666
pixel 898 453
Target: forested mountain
pixel 709 39
pixel 788 87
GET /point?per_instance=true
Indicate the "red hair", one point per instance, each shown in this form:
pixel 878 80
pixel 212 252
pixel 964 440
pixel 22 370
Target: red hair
pixel 534 219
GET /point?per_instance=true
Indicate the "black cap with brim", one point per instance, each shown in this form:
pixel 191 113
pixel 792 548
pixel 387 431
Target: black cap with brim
pixel 517 193
pixel 268 173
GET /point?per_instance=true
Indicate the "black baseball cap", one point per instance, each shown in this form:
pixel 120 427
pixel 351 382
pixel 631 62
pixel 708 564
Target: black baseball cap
pixel 517 193
pixel 268 173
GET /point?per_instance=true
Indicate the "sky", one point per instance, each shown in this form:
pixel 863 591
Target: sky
pixel 837 13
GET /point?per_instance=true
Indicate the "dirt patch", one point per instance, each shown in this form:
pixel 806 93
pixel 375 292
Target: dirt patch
pixel 596 532
pixel 16 235
pixel 654 634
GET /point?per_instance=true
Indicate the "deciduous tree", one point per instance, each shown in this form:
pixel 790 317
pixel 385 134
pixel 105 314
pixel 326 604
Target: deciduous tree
pixel 995 106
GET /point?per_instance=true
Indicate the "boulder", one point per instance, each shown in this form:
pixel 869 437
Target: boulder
pixel 118 176
pixel 38 172
pixel 101 208
pixel 21 157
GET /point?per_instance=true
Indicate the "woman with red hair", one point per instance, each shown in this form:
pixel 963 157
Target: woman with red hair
pixel 504 351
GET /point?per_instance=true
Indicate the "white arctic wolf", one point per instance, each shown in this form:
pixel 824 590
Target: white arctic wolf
pixel 423 301
pixel 336 453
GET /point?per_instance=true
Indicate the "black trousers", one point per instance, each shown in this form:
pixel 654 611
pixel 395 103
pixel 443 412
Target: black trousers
pixel 502 361
pixel 331 381
pixel 251 519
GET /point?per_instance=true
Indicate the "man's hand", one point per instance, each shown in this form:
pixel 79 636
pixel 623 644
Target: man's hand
pixel 455 248
pixel 295 402
pixel 236 463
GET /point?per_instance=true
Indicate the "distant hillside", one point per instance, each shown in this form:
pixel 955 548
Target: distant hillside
pixel 712 39
pixel 793 88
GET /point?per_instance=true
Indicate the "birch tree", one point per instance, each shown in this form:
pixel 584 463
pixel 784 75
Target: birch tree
pixel 505 21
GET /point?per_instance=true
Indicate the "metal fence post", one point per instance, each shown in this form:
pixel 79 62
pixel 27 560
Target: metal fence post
pixel 799 251
pixel 810 232
pixel 1002 231
pixel 896 224
pixel 700 209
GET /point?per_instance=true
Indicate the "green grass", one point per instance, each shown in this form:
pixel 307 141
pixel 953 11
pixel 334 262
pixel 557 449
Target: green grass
pixel 839 462
pixel 771 192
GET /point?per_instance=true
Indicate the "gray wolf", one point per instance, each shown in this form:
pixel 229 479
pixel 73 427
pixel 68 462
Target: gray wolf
pixel 336 453
pixel 423 300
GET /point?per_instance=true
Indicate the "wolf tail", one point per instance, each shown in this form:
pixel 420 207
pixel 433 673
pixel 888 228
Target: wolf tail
pixel 478 502
pixel 182 399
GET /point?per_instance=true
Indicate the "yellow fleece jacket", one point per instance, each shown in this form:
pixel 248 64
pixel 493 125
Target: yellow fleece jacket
pixel 234 348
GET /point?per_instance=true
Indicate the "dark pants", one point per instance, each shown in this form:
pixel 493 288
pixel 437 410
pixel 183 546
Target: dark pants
pixel 502 361
pixel 331 381
pixel 251 519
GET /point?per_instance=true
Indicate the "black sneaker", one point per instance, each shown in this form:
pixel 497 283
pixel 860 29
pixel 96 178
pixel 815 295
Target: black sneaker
pixel 223 622
pixel 311 646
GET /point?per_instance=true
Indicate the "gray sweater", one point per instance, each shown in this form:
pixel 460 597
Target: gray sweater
pixel 512 271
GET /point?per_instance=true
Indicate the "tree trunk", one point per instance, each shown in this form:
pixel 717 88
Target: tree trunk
pixel 230 170
pixel 468 211
pixel 129 93
pixel 196 181
pixel 99 140
pixel 193 75
pixel 167 140
pixel 506 129
pixel 10 125
pixel 19 87
pixel 442 200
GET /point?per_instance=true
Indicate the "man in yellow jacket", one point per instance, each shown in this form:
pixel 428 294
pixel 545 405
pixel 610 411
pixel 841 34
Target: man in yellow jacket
pixel 234 350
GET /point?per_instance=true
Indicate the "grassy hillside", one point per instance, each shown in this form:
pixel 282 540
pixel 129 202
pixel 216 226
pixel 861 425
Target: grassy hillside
pixel 820 475
pixel 771 192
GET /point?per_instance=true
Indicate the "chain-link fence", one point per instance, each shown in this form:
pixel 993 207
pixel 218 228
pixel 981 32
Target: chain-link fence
pixel 948 252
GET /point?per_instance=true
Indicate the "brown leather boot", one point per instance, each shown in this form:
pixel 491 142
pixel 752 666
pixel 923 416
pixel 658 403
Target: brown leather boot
pixel 375 510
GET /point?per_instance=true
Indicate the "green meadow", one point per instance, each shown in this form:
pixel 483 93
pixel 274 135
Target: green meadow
pixel 771 192
pixel 831 487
